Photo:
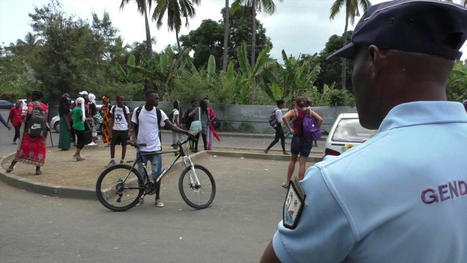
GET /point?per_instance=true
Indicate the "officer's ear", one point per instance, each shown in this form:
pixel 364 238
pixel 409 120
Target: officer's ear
pixel 376 59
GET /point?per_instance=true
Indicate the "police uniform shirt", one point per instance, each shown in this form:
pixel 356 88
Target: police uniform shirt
pixel 399 197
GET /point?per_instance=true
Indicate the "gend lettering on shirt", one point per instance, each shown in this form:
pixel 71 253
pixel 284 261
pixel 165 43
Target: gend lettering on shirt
pixel 445 192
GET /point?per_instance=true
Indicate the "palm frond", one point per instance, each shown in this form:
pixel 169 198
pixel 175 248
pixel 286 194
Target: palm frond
pixel 336 8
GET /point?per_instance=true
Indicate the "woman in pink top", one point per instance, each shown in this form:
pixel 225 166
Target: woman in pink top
pixel 299 146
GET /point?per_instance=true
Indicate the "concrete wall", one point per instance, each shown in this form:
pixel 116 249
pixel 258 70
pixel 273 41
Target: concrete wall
pixel 253 118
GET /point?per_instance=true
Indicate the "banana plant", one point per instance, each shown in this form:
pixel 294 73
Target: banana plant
pixel 161 70
pixel 253 77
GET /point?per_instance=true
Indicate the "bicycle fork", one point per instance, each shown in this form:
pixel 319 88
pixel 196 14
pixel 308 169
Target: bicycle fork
pixel 194 180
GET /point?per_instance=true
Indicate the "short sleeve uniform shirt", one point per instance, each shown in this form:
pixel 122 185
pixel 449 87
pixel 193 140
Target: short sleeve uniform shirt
pixel 399 197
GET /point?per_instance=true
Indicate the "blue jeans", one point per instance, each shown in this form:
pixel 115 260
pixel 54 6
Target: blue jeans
pixel 156 164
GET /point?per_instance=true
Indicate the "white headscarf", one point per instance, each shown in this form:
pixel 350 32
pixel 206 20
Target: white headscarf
pixel 92 98
pixel 79 101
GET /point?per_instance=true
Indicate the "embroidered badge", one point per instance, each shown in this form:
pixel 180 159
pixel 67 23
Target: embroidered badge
pixel 293 205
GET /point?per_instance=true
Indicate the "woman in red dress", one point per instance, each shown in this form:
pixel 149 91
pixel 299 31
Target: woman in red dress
pixel 32 149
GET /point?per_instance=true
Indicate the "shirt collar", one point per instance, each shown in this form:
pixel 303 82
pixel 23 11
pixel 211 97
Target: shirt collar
pixel 423 112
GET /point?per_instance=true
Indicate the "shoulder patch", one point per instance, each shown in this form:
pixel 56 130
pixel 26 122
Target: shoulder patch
pixel 293 205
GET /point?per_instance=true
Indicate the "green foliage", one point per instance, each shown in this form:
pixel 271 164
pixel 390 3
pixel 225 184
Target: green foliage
pixel 456 87
pixel 331 69
pixel 65 54
pixel 330 96
pixel 208 38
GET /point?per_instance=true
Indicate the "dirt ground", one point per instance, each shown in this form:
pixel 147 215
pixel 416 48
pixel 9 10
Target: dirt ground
pixel 62 169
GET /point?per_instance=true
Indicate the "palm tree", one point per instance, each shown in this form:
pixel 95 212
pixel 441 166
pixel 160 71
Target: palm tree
pixel 143 7
pixel 225 59
pixel 351 11
pixel 175 9
pixel 269 7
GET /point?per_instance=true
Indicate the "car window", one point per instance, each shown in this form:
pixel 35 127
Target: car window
pixel 350 130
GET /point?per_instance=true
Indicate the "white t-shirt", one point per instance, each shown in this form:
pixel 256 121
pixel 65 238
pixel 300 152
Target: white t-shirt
pixel 279 115
pixel 148 129
pixel 120 123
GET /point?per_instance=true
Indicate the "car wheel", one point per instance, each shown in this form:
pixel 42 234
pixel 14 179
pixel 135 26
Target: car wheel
pixel 57 127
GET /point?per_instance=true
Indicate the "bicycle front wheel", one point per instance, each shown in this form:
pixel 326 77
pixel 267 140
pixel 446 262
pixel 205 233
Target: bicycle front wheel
pixel 119 187
pixel 197 187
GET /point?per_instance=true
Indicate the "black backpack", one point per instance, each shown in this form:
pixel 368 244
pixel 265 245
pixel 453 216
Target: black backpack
pixel 36 126
pixel 159 117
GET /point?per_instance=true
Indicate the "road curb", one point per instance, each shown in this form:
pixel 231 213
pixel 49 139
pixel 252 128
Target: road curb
pixel 58 190
pixel 272 157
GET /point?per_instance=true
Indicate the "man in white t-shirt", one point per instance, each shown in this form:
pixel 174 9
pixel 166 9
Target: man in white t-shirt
pixel 119 121
pixel 147 133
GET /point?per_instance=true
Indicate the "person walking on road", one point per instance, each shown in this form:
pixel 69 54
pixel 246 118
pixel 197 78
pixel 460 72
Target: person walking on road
pixel 147 121
pixel 16 118
pixel 33 149
pixel 5 123
pixel 402 195
pixel 119 121
pixel 276 123
pixel 79 117
pixel 64 141
pixel 300 147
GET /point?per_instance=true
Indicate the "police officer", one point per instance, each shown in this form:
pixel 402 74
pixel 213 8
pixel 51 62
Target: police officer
pixel 402 195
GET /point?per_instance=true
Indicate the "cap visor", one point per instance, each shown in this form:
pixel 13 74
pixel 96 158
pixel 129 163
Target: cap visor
pixel 348 51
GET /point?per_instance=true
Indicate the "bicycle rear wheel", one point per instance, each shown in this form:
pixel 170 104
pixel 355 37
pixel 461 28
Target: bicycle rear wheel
pixel 119 187
pixel 197 189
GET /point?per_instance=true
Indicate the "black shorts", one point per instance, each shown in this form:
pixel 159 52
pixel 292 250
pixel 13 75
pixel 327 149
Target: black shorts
pixel 119 137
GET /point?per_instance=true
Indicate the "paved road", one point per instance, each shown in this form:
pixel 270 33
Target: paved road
pixel 242 220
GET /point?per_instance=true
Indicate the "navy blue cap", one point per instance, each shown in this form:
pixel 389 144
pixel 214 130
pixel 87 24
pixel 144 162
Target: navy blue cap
pixel 422 26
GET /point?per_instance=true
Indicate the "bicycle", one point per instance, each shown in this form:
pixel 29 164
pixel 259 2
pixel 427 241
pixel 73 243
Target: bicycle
pixel 121 186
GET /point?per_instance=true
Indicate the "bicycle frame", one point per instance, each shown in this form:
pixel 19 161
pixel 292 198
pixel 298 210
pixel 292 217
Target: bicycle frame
pixel 181 153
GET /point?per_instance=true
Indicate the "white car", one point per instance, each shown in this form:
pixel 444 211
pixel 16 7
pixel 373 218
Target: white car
pixel 25 104
pixel 346 133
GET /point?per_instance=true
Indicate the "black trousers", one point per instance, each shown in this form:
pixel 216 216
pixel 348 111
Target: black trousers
pixel 197 140
pixel 17 132
pixel 279 135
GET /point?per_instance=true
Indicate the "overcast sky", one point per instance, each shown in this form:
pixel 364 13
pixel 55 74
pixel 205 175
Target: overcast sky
pixel 298 26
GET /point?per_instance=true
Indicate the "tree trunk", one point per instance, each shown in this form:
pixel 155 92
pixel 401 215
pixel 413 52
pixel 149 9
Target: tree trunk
pixel 147 83
pixel 344 62
pixel 253 35
pixel 225 59
pixel 178 42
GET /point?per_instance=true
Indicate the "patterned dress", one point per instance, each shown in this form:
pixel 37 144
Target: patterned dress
pixel 32 150
pixel 106 129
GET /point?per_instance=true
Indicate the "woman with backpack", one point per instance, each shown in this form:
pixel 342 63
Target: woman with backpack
pixel 33 149
pixel 275 120
pixel 301 145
